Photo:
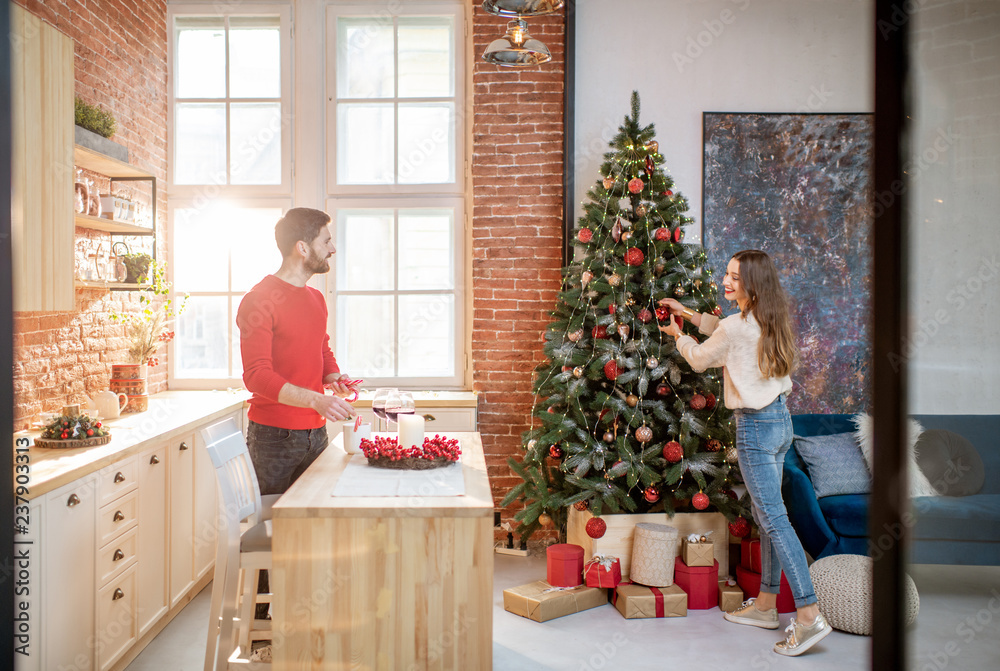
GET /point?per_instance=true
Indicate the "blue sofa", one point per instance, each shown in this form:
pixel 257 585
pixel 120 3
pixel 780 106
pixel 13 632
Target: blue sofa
pixel 944 529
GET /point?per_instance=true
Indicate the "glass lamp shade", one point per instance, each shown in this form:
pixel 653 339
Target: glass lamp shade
pixel 517 49
pixel 522 7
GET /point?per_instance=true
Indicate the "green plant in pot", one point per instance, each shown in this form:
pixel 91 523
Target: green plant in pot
pixel 136 267
pixel 148 328
pixel 95 119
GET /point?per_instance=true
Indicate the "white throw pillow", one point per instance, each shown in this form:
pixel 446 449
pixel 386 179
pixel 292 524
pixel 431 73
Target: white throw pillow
pixel 919 484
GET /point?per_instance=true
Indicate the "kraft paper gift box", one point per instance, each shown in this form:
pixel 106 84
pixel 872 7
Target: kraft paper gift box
pixel 730 597
pixel 638 601
pixel 539 601
pixel 700 582
pixel 698 554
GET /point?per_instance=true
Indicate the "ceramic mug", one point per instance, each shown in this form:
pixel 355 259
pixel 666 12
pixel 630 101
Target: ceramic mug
pixel 352 438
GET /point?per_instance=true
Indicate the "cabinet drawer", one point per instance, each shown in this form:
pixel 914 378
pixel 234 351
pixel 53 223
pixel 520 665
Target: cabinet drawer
pixel 116 556
pixel 448 419
pixel 116 517
pixel 116 624
pixel 117 479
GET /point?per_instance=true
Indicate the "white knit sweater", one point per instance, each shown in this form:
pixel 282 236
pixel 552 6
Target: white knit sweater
pixel 733 344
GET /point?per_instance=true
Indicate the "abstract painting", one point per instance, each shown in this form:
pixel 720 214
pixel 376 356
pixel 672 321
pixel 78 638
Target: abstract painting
pixel 798 186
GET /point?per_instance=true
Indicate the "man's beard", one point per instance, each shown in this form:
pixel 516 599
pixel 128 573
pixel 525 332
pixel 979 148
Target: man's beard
pixel 317 264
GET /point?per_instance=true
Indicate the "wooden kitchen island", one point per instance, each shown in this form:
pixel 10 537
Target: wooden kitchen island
pixel 383 582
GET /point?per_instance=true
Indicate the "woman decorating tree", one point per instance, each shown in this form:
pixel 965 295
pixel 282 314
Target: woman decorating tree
pixel 758 352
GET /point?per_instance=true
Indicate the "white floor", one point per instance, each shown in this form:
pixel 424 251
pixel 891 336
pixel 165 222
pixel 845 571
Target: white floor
pixel 958 628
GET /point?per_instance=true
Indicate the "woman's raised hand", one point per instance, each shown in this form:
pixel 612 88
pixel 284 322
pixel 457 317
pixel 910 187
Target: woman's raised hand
pixel 671 304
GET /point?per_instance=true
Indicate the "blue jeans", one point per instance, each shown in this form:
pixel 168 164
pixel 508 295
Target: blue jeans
pixel 280 456
pixel 762 440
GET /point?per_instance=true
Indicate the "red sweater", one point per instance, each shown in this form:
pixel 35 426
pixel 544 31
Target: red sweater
pixel 283 339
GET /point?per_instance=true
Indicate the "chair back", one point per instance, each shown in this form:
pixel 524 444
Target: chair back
pixel 239 492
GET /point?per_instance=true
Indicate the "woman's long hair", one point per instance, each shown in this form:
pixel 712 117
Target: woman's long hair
pixel 777 353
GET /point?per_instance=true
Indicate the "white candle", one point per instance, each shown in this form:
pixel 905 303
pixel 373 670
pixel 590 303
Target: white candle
pixel 411 430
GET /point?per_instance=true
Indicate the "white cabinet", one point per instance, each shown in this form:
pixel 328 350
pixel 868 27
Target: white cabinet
pixel 180 462
pixel 117 533
pixel 69 550
pixel 151 542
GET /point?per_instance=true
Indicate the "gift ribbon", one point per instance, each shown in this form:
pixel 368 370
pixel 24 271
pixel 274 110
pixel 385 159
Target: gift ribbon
pixel 657 598
pixel 606 561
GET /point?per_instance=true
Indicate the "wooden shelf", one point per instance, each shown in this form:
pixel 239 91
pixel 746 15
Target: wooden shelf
pixel 108 285
pixel 111 167
pixel 110 225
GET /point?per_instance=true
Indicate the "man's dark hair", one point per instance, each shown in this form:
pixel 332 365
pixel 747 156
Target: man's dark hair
pixel 299 223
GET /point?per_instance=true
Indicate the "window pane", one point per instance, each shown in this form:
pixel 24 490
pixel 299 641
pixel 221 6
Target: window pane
pixel 364 250
pixel 366 327
pixel 201 57
pixel 364 58
pixel 426 58
pixel 255 143
pixel 365 144
pixel 426 143
pixel 254 57
pixel 202 347
pixel 426 336
pixel 198 264
pixel 254 252
pixel 200 143
pixel 426 256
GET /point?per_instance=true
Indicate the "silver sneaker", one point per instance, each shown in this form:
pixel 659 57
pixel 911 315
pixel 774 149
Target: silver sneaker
pixel 800 637
pixel 748 613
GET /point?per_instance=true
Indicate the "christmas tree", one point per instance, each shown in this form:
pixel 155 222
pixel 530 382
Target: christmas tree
pixel 621 422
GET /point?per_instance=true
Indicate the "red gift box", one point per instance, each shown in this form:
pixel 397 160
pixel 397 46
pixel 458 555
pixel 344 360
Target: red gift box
pixel 603 572
pixel 564 564
pixel 749 582
pixel 750 554
pixel 700 582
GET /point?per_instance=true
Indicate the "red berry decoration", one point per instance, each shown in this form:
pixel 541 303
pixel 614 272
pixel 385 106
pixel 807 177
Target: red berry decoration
pixel 555 452
pixel 714 445
pixel 635 185
pixel 634 256
pixel 661 234
pixel 90 432
pixel 673 452
pixel 662 314
pixel 581 505
pixel 599 332
pixel 596 527
pixel 698 402
pixel 98 425
pixel 585 235
pixel 611 370
pixel 700 500
pixel 645 316
pixel 651 494
pixel 709 401
pixel 678 234
pixel 739 528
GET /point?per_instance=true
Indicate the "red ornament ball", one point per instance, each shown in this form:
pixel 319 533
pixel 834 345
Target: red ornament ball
pixel 555 452
pixel 581 505
pixel 714 445
pixel 651 494
pixel 678 234
pixel 611 370
pixel 612 309
pixel 700 501
pixel 635 185
pixel 668 192
pixel 673 452
pixel 585 235
pixel 596 527
pixel 663 390
pixel 645 316
pixel 739 528
pixel 661 234
pixel 662 314
pixel 710 400
pixel 717 311
pixel 599 332
pixel 698 402
pixel 634 257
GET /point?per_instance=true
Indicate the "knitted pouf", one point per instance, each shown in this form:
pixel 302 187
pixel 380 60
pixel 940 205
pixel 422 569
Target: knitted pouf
pixel 843 586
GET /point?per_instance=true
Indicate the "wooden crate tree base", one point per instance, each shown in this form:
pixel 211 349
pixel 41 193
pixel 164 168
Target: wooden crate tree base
pixel 617 541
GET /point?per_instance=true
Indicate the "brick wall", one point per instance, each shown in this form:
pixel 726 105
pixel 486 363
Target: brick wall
pixel 121 64
pixel 517 169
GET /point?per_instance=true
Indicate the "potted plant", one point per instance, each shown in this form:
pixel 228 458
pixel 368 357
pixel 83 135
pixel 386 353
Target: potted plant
pixel 136 266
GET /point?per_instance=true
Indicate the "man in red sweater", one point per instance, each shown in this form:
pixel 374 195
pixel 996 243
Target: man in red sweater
pixel 287 358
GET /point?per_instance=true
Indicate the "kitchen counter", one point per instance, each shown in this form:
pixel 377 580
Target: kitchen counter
pixel 170 413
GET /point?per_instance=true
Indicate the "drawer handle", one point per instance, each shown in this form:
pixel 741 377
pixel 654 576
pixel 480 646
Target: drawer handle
pixel 429 418
pixel 119 555
pixel 73 500
pixel 184 446
pixel 119 478
pixel 154 460
pixel 118 516
pixel 119 594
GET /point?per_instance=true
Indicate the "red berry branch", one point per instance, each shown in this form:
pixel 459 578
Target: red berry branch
pixel 436 449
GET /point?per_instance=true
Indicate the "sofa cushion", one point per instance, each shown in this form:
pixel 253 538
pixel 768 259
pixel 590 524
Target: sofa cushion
pixel 847 514
pixel 919 486
pixel 975 517
pixel 950 463
pixel 835 464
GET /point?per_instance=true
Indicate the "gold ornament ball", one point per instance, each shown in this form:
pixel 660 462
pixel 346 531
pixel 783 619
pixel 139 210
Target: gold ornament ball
pixel 652 362
pixel 545 519
pixel 578 371
pixel 641 210
pixel 644 434
pixel 609 437
pixel 701 539
pixel 731 455
pixel 608 182
pixel 652 146
pixel 575 336
pixel 614 279
pixel 626 236
pixel 632 400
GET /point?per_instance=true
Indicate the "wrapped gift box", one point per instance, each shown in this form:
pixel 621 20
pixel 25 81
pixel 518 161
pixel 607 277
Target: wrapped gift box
pixel 700 582
pixel 730 597
pixel 698 554
pixel 603 572
pixel 564 564
pixel 638 601
pixel 750 554
pixel 749 581
pixel 540 601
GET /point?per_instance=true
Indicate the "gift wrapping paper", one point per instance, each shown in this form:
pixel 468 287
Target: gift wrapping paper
pixel 638 601
pixel 540 601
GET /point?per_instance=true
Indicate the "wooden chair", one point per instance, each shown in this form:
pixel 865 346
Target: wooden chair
pixel 243 549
